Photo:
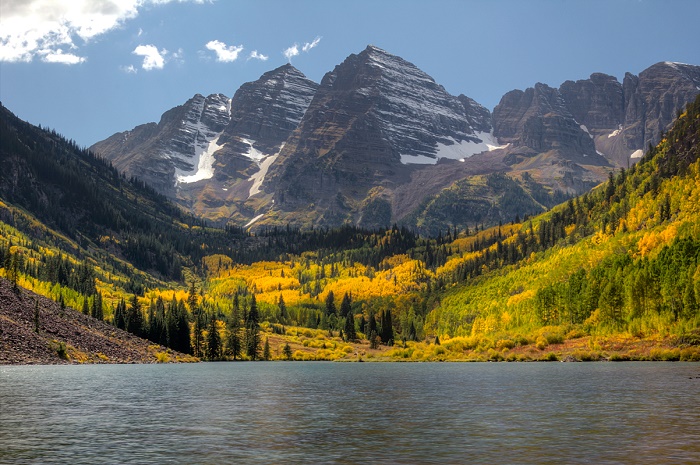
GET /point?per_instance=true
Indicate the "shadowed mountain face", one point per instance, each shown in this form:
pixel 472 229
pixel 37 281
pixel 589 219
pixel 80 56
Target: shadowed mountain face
pixel 378 141
pixel 207 153
pixel 374 120
pixel 620 119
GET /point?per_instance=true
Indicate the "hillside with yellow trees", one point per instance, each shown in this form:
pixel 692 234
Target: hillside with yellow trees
pixel 611 275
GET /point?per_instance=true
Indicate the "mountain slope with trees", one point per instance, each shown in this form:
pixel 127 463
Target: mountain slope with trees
pixel 611 274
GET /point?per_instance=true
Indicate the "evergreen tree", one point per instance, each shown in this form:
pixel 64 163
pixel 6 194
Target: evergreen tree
pixel 437 340
pixel 182 329
pixel 371 326
pixel 252 331
pixel 266 351
pixel 412 336
pixel 120 315
pixel 96 309
pixel 330 304
pixel 150 323
pixel 61 305
pixel 192 298
pixel 199 324
pixel 234 345
pixel 287 351
pixel 387 333
pixel 159 333
pixel 134 317
pixel 345 306
pixel 374 340
pixel 86 307
pixel 283 310
pixel 350 333
pixel 213 341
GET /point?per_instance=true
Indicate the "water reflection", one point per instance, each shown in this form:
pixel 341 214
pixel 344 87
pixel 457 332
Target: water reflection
pixel 351 413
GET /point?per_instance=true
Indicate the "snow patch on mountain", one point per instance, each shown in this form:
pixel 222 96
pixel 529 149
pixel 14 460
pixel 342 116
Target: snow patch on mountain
pixel 457 150
pixel 204 154
pixel 254 154
pixel 637 154
pixel 250 223
pixel 615 132
pixel 216 109
pixel 264 161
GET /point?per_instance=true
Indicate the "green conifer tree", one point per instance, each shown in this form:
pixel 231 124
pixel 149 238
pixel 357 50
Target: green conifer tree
pixel 345 306
pixel 350 333
pixel 330 304
pixel 134 317
pixel 266 351
pixel 283 310
pixel 234 344
pixel 120 315
pixel 252 333
pixel 287 351
pixel 213 341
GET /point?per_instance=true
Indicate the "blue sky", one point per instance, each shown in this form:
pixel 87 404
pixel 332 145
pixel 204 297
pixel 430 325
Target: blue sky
pixel 90 68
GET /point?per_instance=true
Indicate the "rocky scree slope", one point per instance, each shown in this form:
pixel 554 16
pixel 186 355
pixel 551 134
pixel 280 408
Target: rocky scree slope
pixel 64 335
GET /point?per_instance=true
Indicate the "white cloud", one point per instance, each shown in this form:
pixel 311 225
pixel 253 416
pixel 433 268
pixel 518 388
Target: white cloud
pixel 129 69
pixel 258 56
pixel 291 52
pixel 294 49
pixel 224 53
pixel 309 45
pixel 28 28
pixel 152 58
pixel 57 56
pixel 179 56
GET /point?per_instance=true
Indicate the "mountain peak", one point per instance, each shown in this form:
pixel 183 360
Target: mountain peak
pixel 374 49
pixel 283 71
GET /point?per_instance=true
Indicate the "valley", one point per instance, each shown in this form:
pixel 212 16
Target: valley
pixel 301 236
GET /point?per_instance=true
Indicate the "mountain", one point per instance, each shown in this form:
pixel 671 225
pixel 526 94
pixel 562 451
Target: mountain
pixel 569 136
pixel 178 148
pixel 91 206
pixel 374 120
pixel 211 153
pixel 611 274
pixel 621 259
pixel 378 142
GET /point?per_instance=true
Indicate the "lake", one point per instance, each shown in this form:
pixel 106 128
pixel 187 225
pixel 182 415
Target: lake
pixel 318 412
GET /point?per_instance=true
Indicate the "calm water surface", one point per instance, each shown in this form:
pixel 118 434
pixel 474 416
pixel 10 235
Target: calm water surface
pixel 216 413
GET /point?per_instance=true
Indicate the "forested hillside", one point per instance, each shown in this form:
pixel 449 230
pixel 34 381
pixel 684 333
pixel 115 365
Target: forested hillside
pixel 612 274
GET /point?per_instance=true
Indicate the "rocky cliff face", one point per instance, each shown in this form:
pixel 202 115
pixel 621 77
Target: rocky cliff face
pixel 568 137
pixel 379 139
pixel 372 117
pixel 177 149
pixel 212 153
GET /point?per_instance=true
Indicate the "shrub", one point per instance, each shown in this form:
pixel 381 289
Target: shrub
pixel 550 357
pixel 495 356
pixel 575 333
pixel 541 342
pixel 502 344
pixel 690 355
pixel 672 355
pixel 619 358
pixel 61 350
pixel 585 356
